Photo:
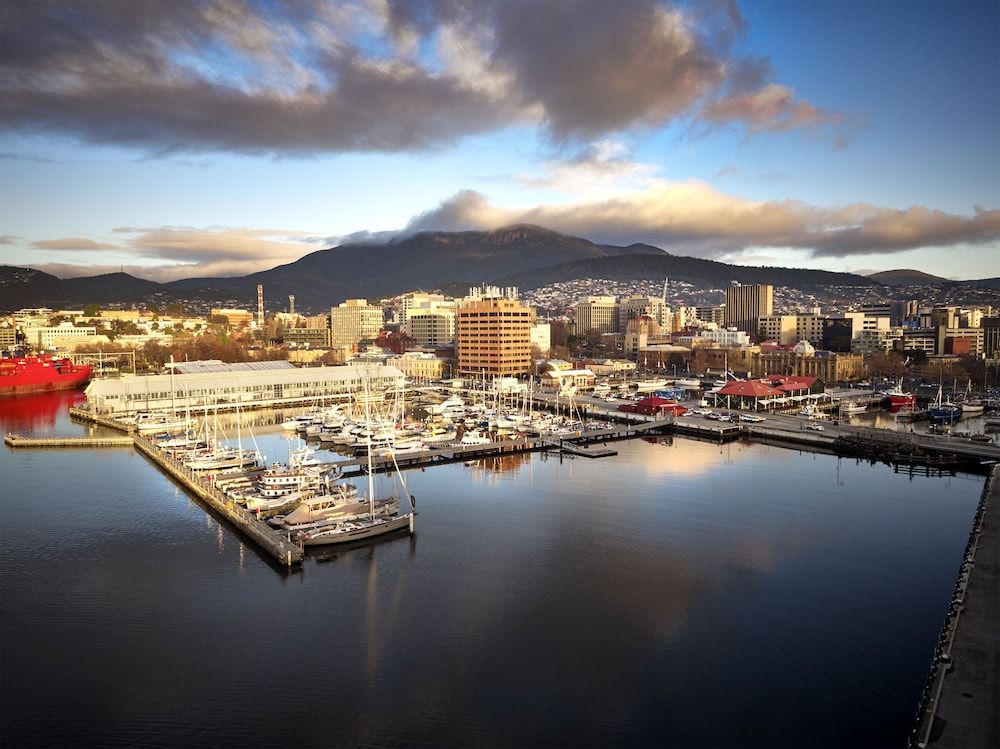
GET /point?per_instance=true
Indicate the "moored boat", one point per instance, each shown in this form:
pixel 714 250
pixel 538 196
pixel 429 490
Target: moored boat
pixel 37 374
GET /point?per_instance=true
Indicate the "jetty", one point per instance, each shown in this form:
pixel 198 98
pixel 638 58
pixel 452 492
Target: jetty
pixel 20 440
pixel 960 706
pixel 281 548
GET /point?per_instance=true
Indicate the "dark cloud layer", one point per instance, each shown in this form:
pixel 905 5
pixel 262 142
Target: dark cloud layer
pixel 303 77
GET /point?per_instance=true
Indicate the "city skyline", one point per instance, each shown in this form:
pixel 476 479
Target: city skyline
pixel 198 139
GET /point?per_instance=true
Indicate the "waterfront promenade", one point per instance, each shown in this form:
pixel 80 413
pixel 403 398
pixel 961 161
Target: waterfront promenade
pixel 963 693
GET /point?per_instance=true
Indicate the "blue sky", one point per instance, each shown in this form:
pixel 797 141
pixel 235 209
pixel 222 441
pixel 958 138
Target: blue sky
pixel 219 138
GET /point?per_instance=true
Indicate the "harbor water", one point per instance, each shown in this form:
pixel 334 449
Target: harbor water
pixel 681 593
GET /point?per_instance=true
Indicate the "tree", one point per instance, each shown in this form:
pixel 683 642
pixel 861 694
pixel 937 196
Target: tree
pixel 91 310
pixel 559 333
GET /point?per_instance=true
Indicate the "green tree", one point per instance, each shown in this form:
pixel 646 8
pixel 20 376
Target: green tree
pixel 91 310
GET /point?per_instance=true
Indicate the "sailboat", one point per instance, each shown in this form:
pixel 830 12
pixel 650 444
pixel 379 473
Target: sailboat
pixel 374 524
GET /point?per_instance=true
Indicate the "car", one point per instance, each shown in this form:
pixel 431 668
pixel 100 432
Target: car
pixel 814 426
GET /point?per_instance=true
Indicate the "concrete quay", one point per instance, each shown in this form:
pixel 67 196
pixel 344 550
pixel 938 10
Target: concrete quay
pixel 961 702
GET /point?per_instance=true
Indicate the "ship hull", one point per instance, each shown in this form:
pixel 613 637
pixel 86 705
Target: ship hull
pixel 27 375
pixel 29 388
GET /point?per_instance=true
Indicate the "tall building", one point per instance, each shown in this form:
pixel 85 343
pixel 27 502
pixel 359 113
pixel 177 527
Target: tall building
pixel 635 307
pixel 353 321
pixel 431 327
pixel 493 336
pixel 598 313
pixel 429 319
pixel 715 314
pixel 746 304
pixel 991 337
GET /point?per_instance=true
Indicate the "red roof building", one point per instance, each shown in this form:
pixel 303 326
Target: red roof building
pixel 653 406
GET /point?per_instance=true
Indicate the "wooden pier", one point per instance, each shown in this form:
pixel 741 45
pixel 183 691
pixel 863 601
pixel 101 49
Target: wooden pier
pixel 19 440
pixel 274 543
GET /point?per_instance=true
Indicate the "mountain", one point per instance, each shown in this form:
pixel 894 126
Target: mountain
pixel 425 260
pixel 523 255
pixel 906 277
pixel 26 287
pixel 644 262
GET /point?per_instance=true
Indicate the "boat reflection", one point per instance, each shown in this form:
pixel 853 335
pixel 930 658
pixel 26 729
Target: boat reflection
pixel 27 412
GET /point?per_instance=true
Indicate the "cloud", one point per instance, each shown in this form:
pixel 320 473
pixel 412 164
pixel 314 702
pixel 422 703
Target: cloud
pixel 772 108
pixel 312 77
pixel 693 218
pixel 8 239
pixel 603 166
pixel 73 243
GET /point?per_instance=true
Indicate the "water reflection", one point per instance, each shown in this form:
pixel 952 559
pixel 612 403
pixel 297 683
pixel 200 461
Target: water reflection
pixel 30 413
pixel 680 592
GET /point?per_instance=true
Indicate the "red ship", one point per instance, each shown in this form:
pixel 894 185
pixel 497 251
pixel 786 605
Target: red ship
pixel 39 374
pixel 900 400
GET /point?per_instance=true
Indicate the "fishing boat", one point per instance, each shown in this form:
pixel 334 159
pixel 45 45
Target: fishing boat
pixel 853 408
pixel 899 399
pixel 970 406
pixel 943 412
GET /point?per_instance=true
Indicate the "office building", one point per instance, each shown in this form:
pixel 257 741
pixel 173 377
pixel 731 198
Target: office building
pixel 598 313
pixel 354 321
pixel 745 305
pixel 493 336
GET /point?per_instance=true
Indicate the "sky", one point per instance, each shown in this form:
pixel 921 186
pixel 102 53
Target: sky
pixel 183 138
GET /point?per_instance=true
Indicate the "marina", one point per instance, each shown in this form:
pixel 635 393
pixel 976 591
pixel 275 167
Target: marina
pixel 686 578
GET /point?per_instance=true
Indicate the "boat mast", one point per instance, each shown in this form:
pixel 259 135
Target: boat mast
pixel 368 440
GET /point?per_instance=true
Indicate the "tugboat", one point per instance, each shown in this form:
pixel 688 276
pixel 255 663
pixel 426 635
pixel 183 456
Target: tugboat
pixel 39 374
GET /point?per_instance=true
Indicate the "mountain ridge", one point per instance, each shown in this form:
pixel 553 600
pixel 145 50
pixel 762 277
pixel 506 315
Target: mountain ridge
pixel 521 255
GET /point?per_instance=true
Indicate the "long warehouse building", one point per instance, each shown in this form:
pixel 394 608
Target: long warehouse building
pixel 249 385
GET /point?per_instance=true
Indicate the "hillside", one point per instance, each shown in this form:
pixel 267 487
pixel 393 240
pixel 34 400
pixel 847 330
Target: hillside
pixel 27 287
pixel 707 273
pixel 906 277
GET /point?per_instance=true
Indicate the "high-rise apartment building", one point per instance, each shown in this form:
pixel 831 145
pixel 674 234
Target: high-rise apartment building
pixel 493 336
pixel 598 313
pixel 746 304
pixel 353 321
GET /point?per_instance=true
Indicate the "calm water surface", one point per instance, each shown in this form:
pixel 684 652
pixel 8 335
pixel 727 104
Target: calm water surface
pixel 680 594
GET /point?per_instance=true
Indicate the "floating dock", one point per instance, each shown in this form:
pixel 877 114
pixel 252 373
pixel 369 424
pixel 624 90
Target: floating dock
pixel 961 702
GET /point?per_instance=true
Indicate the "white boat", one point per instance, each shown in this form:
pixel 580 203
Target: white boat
pixel 691 383
pixel 970 406
pixel 157 422
pixel 402 448
pixel 473 437
pixel 356 530
pixel 853 408
pixel 222 459
pixel 340 503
